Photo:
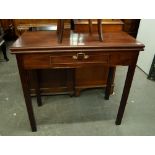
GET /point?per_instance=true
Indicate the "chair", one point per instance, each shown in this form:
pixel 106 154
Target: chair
pixel 60 29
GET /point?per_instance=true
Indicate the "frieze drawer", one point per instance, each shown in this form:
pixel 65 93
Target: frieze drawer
pixel 34 61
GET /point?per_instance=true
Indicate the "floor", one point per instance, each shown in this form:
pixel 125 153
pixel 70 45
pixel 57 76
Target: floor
pixel 86 115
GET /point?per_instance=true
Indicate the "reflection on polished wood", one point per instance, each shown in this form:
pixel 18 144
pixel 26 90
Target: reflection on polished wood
pixel 60 29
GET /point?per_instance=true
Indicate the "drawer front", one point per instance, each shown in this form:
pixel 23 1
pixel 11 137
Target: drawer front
pixel 34 61
pixel 78 59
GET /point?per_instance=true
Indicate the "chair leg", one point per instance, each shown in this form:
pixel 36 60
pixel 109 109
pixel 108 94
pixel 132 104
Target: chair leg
pixel 61 29
pixel 3 47
pixel 71 81
pixel 38 93
pixel 100 33
pixel 90 26
pixel 72 24
pixel 58 27
pixel 109 82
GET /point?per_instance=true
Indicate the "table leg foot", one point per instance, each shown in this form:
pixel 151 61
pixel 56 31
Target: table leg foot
pixel 34 130
pixel 72 94
pixel 106 98
pixel 118 123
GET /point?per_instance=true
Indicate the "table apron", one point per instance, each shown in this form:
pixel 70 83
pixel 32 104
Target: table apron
pixel 77 59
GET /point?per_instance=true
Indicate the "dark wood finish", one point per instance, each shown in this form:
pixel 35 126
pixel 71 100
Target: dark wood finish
pixel 26 91
pixel 55 81
pixel 34 43
pixel 72 24
pixel 131 26
pixel 85 77
pixel 38 94
pixel 90 26
pixel 71 82
pixel 22 25
pixel 60 29
pixel 126 90
pixel 42 61
pixel 6 23
pixel 100 32
pixel 108 25
pixel 109 82
pixel 116 49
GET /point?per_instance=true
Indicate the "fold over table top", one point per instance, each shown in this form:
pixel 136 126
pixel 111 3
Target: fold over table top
pixel 47 40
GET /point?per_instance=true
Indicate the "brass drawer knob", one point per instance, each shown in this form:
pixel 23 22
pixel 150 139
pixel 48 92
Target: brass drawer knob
pixel 80 56
pixel 86 56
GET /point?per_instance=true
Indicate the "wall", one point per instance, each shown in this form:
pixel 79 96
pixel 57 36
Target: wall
pixel 146 35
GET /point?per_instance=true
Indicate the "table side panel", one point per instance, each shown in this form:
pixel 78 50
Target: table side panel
pixel 123 59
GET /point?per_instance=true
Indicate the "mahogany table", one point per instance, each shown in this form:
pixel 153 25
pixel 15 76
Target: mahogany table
pixel 40 50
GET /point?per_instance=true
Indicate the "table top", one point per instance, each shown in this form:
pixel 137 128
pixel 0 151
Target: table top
pixel 47 40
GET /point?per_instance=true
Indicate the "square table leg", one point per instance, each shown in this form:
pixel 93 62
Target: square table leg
pixel 25 85
pixel 125 94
